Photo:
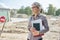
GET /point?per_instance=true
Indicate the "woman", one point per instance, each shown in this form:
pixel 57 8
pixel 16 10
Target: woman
pixel 36 10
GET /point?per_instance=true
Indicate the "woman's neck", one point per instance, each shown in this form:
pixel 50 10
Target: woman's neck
pixel 36 15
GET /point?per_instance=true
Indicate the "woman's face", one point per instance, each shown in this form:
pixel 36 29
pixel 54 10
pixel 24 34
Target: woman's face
pixel 35 9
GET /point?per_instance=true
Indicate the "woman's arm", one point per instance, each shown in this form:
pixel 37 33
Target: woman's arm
pixel 29 24
pixel 30 28
pixel 45 24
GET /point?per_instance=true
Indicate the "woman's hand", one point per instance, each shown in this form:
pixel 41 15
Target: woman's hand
pixel 32 29
pixel 35 32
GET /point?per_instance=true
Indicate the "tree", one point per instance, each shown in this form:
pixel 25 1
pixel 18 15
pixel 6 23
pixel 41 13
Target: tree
pixel 58 12
pixel 21 10
pixel 11 13
pixel 28 10
pixel 51 10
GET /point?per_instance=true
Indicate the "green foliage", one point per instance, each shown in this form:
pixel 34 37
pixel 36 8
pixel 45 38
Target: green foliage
pixel 11 13
pixel 51 10
pixel 21 10
pixel 58 12
pixel 26 10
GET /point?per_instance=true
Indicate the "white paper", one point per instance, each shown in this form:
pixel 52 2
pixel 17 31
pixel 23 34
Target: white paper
pixel 38 21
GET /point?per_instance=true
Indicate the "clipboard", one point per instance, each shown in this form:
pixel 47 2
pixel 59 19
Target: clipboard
pixel 37 24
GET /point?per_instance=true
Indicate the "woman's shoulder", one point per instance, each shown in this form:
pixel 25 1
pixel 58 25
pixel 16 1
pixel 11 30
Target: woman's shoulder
pixel 30 18
pixel 43 15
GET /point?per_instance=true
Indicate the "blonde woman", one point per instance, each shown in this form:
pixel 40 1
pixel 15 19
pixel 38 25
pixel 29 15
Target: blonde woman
pixel 36 10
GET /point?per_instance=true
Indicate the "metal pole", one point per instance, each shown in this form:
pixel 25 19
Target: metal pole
pixel 2 28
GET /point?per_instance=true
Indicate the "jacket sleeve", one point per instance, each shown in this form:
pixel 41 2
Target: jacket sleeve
pixel 29 24
pixel 45 24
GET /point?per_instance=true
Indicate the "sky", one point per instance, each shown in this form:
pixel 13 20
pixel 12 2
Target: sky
pixel 16 4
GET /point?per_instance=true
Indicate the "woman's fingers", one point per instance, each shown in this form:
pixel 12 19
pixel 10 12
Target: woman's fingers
pixel 35 33
pixel 32 29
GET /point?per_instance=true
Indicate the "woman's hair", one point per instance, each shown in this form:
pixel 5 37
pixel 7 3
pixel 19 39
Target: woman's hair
pixel 38 5
pixel 41 10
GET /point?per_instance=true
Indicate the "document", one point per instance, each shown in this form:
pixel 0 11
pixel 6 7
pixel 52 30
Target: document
pixel 37 24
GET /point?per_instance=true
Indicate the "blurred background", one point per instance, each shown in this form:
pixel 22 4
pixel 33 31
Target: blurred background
pixel 17 13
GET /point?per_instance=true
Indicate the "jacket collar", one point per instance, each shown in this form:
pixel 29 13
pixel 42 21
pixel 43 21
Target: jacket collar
pixel 37 15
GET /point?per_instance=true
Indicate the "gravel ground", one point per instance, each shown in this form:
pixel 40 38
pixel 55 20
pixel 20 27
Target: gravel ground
pixel 18 31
